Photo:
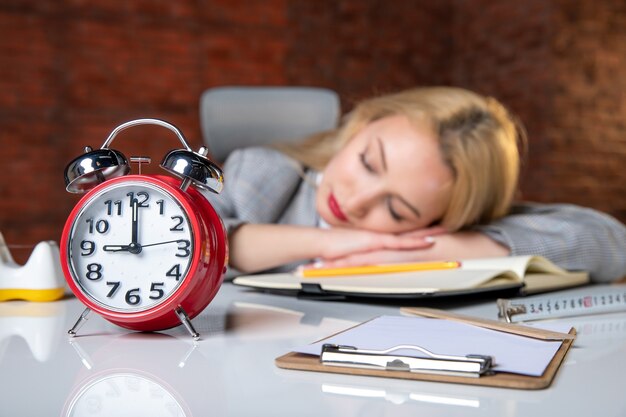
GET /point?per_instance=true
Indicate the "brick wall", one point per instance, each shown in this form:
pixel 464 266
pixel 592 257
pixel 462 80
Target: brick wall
pixel 362 48
pixel 70 71
pixel 587 142
pixel 561 66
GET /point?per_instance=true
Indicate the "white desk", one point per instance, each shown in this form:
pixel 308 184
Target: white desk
pixel 109 371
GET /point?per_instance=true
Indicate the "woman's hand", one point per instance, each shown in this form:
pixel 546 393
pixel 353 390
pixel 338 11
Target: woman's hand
pixel 255 247
pixel 341 243
pixel 446 246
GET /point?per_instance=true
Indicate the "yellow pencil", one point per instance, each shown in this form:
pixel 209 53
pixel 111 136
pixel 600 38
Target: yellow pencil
pixel 377 269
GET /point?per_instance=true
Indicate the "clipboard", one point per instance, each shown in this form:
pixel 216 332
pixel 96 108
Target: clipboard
pixel 305 362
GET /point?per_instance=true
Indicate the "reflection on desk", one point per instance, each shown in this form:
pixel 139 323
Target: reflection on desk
pixel 40 325
pixel 126 394
pixel 399 397
pixel 126 375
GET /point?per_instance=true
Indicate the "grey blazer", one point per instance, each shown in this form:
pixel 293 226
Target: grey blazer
pixel 264 186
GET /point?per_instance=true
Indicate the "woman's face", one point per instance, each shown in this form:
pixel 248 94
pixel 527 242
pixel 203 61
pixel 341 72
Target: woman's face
pixel 390 177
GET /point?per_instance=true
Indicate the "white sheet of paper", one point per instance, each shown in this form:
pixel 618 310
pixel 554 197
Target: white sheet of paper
pixel 512 353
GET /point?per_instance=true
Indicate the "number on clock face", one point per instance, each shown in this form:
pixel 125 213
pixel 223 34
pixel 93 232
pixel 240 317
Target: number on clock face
pixel 130 246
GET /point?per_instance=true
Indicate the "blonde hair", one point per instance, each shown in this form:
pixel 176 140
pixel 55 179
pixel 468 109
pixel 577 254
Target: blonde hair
pixel 479 139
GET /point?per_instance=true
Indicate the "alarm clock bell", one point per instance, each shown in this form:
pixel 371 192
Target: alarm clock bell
pixel 96 166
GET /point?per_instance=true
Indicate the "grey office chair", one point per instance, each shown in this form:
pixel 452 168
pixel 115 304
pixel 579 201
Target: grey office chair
pixel 235 117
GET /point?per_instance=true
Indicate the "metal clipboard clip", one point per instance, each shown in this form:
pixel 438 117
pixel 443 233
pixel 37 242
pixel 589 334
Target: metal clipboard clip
pixel 350 356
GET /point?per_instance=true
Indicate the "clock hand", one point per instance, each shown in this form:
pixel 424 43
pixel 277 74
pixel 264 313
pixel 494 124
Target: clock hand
pixel 116 248
pixel 135 222
pixel 135 246
pixel 163 243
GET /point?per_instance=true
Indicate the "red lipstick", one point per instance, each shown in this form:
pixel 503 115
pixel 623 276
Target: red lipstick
pixel 335 209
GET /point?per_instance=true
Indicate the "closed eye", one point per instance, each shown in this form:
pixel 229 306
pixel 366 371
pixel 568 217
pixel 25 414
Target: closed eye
pixel 365 163
pixel 393 213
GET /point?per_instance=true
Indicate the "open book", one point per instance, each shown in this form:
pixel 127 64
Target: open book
pixel 514 274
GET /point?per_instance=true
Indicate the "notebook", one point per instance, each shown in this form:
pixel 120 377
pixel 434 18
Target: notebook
pixel 517 275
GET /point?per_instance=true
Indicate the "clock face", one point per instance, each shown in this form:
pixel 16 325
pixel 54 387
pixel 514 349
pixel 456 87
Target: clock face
pixel 130 246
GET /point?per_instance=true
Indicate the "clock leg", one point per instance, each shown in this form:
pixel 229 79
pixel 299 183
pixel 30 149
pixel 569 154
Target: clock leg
pixel 81 320
pixel 184 319
pixel 84 357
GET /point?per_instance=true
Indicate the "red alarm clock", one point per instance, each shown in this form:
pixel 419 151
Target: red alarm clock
pixel 146 252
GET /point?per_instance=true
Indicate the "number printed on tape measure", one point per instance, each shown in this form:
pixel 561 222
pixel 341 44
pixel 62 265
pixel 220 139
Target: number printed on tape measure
pixel 588 301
